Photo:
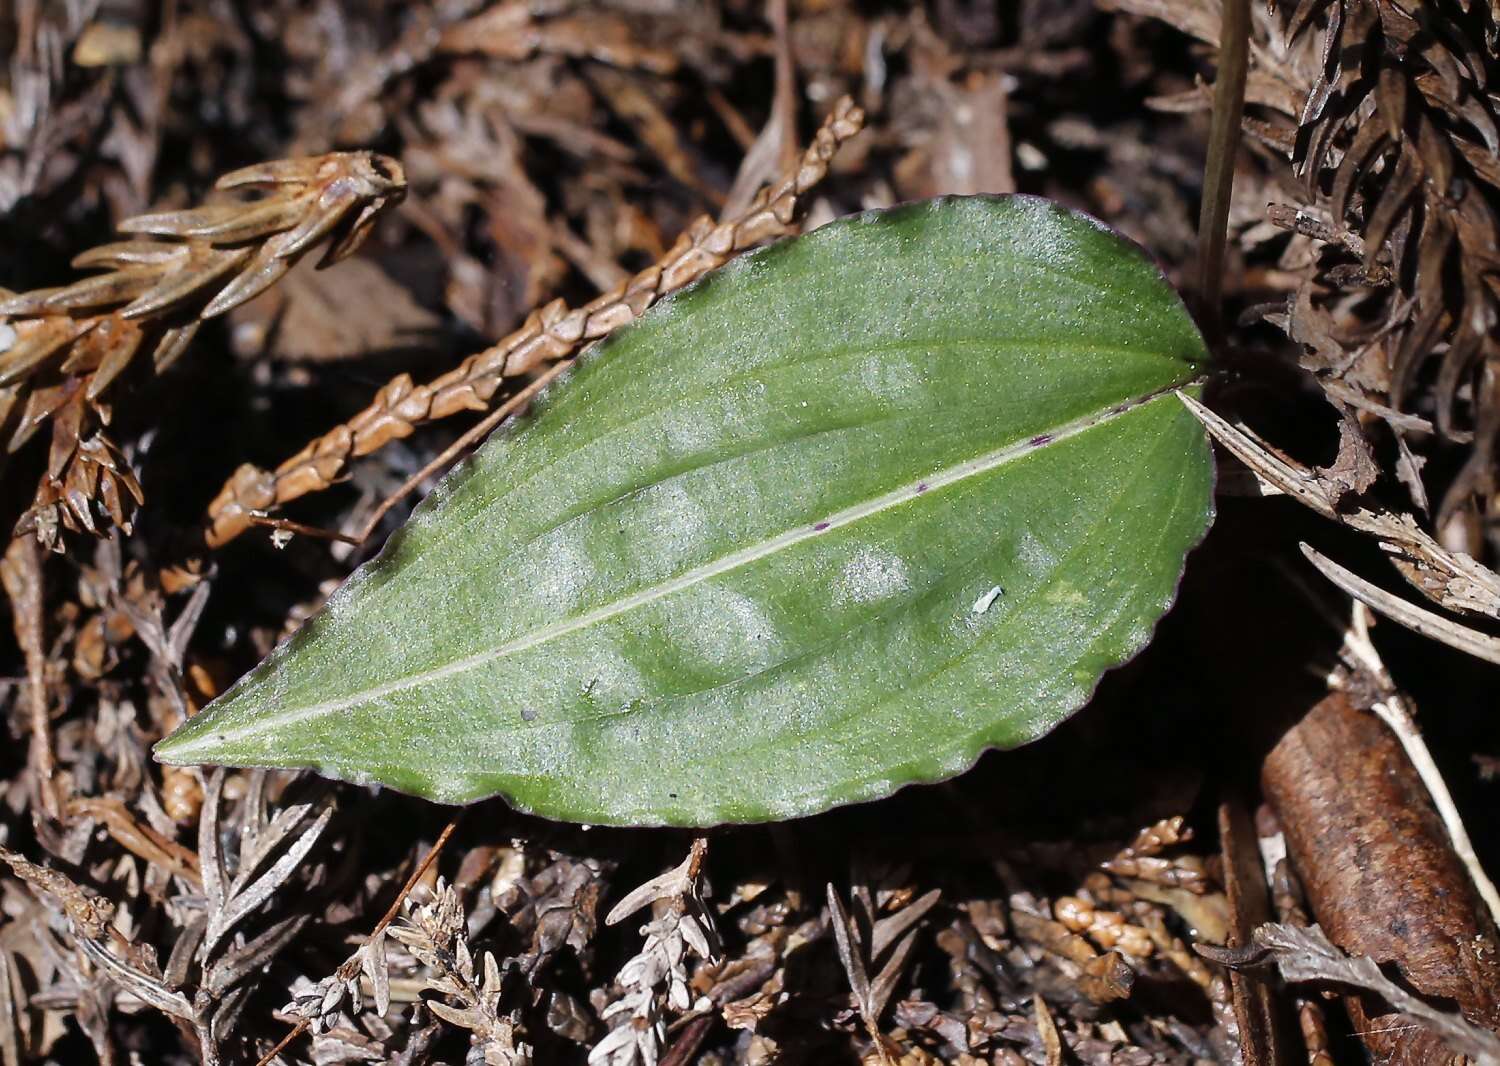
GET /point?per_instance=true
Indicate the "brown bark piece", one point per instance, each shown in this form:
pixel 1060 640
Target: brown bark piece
pixel 1381 877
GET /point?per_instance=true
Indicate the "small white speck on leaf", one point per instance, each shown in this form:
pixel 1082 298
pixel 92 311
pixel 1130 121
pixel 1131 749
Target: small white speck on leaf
pixel 987 600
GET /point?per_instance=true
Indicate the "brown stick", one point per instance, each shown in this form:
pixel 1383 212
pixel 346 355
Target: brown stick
pixel 1218 172
pixel 1380 873
pixel 286 525
pixel 21 574
pixel 1256 1008
pixel 1291 909
pixel 688 1041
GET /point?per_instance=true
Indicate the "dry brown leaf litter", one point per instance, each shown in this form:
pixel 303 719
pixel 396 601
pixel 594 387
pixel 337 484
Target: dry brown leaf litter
pixel 554 151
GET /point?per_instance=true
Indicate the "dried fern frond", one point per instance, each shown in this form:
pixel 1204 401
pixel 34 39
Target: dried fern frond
pixel 62 348
pixel 552 333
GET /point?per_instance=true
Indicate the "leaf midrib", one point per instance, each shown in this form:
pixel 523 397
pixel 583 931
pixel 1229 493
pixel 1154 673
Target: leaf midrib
pixel 974 742
pixel 907 492
pixel 971 745
pixel 941 587
pixel 668 404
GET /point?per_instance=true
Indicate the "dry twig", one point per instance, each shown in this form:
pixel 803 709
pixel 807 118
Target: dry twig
pixel 1306 954
pixel 548 335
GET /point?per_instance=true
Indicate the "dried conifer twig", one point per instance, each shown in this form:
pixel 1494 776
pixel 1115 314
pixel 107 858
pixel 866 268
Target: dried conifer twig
pixel 656 977
pixel 62 348
pixel 466 440
pixel 91 918
pixel 550 334
pixel 328 995
pixel 1109 929
pixel 1141 858
pixel 436 936
pixel 1102 978
pixel 89 912
pixel 1291 908
pixel 1171 947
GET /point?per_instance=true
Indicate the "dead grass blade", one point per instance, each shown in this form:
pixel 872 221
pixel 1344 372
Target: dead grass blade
pixel 1427 623
pixel 1451 579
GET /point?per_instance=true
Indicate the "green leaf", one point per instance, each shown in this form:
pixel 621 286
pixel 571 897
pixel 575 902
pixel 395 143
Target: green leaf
pixel 836 519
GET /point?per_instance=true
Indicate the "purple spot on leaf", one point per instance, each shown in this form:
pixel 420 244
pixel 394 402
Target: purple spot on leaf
pixel 922 487
pixel 1040 439
pixel 820 527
